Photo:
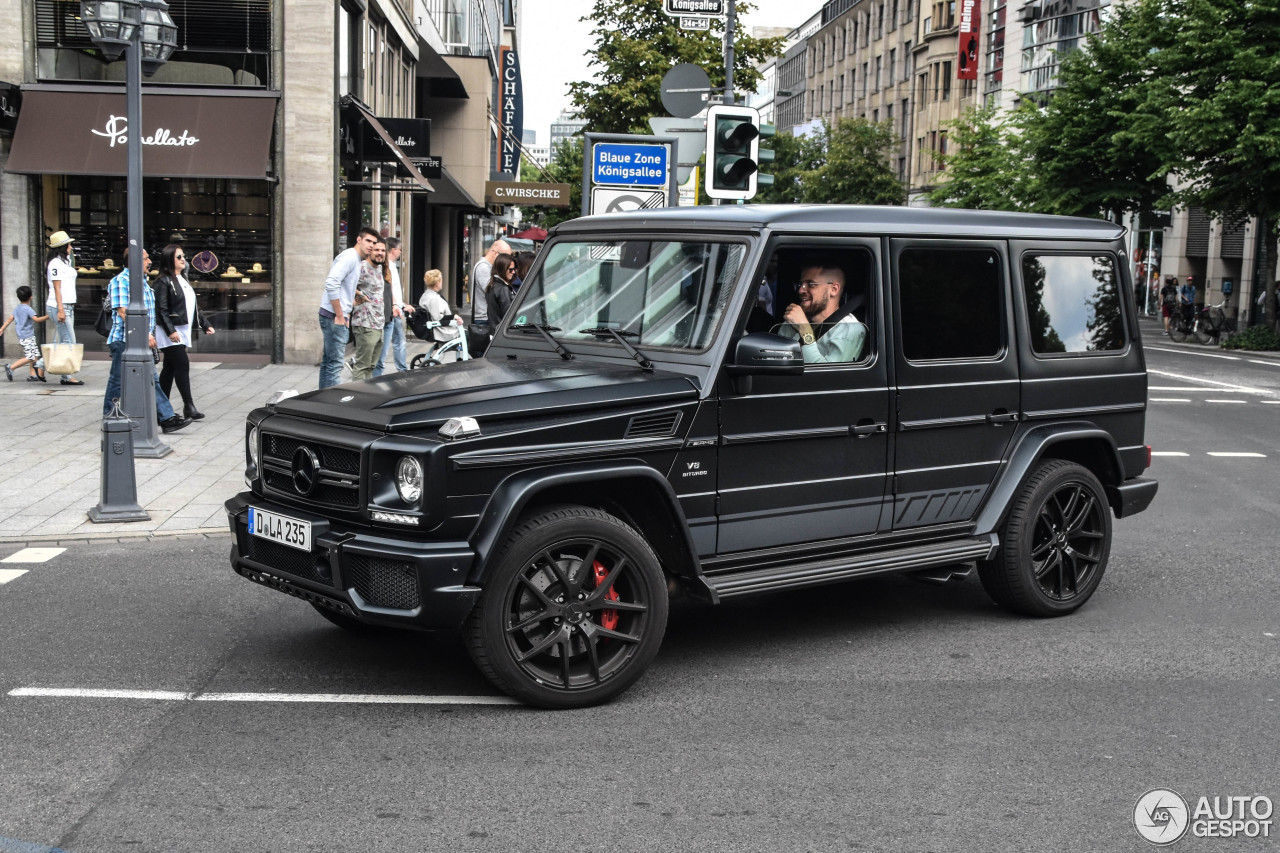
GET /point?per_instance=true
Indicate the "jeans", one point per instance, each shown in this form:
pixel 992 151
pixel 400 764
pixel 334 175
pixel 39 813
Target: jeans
pixel 335 347
pixel 114 384
pixel 64 332
pixel 392 335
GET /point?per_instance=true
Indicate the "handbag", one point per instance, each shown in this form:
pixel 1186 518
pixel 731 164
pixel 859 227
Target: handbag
pixel 105 318
pixel 63 359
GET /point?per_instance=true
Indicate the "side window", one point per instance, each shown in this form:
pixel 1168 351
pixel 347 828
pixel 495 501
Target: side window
pixel 1073 303
pixel 952 305
pixel 820 296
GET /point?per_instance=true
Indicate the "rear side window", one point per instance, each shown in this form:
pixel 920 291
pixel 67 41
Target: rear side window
pixel 952 304
pixel 1073 303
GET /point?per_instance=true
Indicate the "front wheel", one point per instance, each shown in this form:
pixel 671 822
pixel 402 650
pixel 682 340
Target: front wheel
pixel 573 611
pixel 1178 330
pixel 420 360
pixel 1054 543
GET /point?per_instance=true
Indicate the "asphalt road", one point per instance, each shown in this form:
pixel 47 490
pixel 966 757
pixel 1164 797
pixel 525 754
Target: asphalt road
pixel 881 715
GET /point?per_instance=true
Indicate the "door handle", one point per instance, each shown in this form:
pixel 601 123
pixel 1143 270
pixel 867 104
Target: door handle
pixel 999 417
pixel 863 429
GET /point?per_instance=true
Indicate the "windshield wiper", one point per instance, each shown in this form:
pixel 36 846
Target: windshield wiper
pixel 545 332
pixel 621 337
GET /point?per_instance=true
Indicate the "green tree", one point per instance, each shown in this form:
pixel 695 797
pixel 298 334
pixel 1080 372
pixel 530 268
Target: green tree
pixel 1218 86
pixel 636 44
pixel 854 167
pixel 565 168
pixel 985 166
pixel 793 157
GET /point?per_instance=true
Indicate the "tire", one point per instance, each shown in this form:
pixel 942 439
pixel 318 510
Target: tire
pixel 1178 331
pixel 1203 337
pixel 344 621
pixel 545 631
pixel 1054 543
pixel 420 360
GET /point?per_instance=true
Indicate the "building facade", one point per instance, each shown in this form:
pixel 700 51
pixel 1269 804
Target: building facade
pixel 276 130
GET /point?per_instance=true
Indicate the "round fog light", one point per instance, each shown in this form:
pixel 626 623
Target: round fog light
pixel 409 479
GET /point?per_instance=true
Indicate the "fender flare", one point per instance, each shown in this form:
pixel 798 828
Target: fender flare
pixel 516 492
pixel 1028 452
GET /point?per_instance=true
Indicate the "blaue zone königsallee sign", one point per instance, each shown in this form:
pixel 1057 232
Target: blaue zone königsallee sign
pixel 622 165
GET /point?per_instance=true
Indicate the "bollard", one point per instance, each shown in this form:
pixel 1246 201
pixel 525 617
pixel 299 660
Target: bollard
pixel 118 494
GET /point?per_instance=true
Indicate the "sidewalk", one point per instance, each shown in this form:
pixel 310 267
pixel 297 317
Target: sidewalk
pixel 50 454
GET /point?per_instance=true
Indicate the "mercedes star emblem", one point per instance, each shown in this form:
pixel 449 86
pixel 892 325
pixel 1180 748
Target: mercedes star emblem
pixel 306 470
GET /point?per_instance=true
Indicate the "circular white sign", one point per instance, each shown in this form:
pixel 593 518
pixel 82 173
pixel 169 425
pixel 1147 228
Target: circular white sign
pixel 1161 816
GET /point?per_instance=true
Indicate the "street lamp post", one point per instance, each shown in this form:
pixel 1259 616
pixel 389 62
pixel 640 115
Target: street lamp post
pixel 144 33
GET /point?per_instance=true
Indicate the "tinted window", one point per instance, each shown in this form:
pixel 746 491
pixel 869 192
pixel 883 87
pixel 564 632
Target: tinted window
pixel 951 303
pixel 1073 303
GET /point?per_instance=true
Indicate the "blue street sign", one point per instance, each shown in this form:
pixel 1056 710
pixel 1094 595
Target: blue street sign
pixel 618 165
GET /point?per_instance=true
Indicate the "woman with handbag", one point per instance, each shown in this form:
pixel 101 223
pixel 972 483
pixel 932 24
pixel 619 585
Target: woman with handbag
pixel 60 305
pixel 177 313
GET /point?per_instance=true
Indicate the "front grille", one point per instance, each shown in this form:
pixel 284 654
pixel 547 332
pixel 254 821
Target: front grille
pixel 338 480
pixel 383 583
pixel 282 558
pixel 340 460
pixel 324 493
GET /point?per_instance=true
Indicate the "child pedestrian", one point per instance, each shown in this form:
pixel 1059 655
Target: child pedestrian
pixel 24 319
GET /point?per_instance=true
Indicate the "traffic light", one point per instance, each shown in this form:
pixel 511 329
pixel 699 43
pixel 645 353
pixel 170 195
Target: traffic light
pixel 733 152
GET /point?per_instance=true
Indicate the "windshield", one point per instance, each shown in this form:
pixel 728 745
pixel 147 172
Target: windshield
pixel 659 293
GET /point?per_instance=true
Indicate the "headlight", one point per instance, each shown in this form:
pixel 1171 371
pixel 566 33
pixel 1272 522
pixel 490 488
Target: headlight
pixel 253 447
pixel 409 479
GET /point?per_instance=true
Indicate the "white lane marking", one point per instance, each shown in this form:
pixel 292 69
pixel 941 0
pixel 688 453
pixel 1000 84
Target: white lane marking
pixel 1168 453
pixel 176 696
pixel 1224 386
pixel 1241 402
pixel 1194 352
pixel 7 575
pixel 1174 388
pixel 33 555
pixel 1270 402
pixel 1170 399
pixel 1260 361
pixel 1238 455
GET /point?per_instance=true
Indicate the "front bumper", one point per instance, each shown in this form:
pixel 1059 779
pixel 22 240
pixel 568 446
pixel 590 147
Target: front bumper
pixel 357 571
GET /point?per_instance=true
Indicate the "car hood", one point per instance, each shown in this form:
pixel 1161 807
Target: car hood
pixel 486 390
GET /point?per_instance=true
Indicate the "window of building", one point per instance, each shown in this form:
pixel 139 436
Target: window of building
pixel 965 325
pixel 946 81
pixel 865 76
pixel 893 15
pixel 893 65
pixel 875 116
pixel 880 21
pixel 879 72
pixel 1073 304
pixel 852 81
pixel 219 44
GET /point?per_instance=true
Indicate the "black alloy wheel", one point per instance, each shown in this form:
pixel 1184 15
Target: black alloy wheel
pixel 420 360
pixel 573 610
pixel 1054 543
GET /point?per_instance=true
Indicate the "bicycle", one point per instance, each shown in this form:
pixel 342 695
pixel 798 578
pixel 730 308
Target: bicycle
pixel 1211 324
pixel 1181 324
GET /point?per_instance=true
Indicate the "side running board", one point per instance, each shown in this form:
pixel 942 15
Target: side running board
pixel 860 565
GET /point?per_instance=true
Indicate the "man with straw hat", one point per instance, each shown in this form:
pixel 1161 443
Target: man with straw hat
pixel 60 305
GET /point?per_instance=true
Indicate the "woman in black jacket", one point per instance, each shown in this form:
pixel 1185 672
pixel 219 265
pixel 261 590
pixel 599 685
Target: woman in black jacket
pixel 177 313
pixel 500 291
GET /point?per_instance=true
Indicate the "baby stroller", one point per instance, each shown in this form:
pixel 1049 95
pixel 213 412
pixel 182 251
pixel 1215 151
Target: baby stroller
pixel 438 352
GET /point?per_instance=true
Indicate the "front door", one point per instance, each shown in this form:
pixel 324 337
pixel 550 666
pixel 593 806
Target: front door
pixel 805 458
pixel 957 375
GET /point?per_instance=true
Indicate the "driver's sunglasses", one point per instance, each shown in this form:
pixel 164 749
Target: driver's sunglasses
pixel 810 285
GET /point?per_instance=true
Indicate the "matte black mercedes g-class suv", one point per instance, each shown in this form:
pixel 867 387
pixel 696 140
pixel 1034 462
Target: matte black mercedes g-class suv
pixel 726 401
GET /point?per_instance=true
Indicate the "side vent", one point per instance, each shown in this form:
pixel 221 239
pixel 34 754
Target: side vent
pixel 653 426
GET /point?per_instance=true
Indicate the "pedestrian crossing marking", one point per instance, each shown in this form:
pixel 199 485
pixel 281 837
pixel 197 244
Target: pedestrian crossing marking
pixel 7 575
pixel 33 555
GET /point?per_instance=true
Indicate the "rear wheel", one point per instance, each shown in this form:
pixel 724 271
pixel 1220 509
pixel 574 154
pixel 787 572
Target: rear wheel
pixel 573 611
pixel 1178 329
pixel 1054 543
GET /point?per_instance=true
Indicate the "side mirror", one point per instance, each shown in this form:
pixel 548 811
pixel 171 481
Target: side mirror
pixel 763 353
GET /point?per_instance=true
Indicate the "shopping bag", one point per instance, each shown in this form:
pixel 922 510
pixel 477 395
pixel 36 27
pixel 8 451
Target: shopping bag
pixel 63 359
pixel 105 318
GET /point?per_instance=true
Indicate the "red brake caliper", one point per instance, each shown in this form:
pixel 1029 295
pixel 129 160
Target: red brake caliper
pixel 608 618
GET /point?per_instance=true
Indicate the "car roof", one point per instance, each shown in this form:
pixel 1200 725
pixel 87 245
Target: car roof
pixel 846 219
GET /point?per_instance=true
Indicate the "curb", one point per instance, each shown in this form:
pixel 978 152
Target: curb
pixel 116 536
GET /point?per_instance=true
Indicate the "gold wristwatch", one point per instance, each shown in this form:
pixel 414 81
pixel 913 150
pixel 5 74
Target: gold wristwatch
pixel 806 338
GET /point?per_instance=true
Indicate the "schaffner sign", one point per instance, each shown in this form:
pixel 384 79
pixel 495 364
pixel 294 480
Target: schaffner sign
pixel 512 100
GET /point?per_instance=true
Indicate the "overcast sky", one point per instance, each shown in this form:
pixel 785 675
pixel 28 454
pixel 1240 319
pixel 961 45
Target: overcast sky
pixel 553 52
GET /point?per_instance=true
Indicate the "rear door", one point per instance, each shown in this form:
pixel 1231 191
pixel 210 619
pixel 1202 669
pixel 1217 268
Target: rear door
pixel 958 396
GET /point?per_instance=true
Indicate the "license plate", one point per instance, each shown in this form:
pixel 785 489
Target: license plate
pixel 280 528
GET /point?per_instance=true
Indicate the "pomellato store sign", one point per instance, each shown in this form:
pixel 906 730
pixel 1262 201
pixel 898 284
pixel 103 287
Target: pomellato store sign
pixel 76 132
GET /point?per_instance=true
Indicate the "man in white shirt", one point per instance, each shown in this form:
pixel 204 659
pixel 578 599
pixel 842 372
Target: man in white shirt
pixel 827 331
pixel 335 304
pixel 395 307
pixel 480 282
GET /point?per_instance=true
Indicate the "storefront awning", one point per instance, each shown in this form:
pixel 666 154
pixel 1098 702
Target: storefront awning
pixel 186 133
pixel 354 112
pixel 451 194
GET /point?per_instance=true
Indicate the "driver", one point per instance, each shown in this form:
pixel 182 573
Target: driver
pixel 827 331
